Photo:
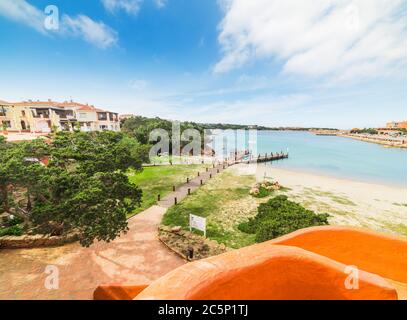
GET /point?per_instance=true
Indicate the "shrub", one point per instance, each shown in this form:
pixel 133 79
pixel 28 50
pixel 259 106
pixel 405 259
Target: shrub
pixel 280 216
pixel 11 231
pixel 263 192
pixel 13 222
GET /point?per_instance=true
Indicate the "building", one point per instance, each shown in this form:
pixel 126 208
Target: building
pixel 397 125
pixel 126 116
pixel 45 116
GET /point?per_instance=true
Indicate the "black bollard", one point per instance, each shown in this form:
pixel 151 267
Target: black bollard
pixel 190 253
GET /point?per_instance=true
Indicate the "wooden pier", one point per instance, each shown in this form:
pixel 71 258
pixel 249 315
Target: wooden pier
pixel 268 157
pixel 271 157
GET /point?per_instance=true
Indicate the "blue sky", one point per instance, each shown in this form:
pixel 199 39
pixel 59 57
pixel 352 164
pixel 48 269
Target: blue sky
pixel 337 63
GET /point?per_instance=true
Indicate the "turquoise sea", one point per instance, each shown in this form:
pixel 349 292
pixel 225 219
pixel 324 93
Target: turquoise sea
pixel 336 156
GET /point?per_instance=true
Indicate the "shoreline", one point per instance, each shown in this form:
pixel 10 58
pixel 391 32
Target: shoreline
pixel 374 206
pixel 341 180
pixel 401 144
pixel 315 172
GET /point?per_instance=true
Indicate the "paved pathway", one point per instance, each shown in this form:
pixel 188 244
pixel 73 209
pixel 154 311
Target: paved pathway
pixel 137 257
pixel 182 192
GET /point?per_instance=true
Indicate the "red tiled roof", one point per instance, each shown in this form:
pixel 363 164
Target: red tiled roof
pixel 65 104
pixel 35 103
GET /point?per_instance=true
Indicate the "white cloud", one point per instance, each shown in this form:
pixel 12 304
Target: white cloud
pixel 139 84
pixel 129 6
pixel 23 12
pixel 341 39
pixel 96 33
pixel 160 3
pixel 258 110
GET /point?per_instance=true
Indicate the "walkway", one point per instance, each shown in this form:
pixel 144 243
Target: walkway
pixel 137 257
pixel 182 192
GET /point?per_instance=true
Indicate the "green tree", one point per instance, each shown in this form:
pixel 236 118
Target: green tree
pixel 83 187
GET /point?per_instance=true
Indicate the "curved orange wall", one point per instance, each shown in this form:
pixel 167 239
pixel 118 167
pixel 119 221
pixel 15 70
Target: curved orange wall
pixel 265 271
pixel 117 292
pixel 381 254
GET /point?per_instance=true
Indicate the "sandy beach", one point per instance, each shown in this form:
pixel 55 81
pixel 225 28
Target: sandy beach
pixel 378 207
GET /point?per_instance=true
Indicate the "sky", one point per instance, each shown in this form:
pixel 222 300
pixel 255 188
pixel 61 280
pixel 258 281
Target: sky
pixel 319 63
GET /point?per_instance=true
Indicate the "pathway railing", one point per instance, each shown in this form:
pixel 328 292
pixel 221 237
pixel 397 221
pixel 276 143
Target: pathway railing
pixel 179 193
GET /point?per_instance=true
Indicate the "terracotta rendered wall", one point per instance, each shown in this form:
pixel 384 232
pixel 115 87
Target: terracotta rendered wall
pixel 117 292
pixel 265 271
pixel 377 253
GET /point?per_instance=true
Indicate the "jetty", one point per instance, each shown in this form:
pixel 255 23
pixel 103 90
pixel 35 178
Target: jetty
pixel 267 157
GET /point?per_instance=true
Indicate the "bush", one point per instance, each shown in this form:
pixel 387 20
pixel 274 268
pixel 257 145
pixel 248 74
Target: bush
pixel 11 231
pixel 13 222
pixel 278 217
pixel 263 192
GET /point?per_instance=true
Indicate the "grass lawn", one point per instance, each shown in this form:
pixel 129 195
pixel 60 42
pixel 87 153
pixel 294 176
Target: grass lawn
pixel 225 202
pixel 160 179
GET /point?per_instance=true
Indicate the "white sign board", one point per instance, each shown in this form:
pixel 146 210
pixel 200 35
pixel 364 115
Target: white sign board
pixel 197 223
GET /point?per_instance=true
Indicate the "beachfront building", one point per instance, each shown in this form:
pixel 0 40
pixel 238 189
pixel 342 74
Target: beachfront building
pixel 45 116
pixel 397 125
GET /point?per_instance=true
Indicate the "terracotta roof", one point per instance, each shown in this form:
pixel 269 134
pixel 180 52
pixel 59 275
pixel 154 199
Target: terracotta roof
pixel 86 108
pixel 65 104
pixel 36 103
pixel 80 106
pixel 4 102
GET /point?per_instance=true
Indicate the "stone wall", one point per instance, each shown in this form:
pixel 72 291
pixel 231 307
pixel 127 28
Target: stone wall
pixel 182 242
pixel 35 241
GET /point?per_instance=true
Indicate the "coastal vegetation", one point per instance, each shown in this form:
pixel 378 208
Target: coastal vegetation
pixel 140 127
pixel 225 202
pixel 159 180
pixel 75 182
pixel 280 216
pixel 236 217
pixel 364 131
pixel 401 204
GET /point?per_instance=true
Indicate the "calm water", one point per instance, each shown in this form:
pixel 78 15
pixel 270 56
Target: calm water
pixel 336 156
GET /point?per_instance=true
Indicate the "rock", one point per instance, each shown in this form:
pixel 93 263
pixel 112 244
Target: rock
pixel 276 187
pixel 34 241
pixel 202 247
pixel 176 229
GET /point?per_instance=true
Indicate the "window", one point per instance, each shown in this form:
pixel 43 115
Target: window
pixel 23 113
pixel 7 124
pixel 102 116
pixel 3 111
